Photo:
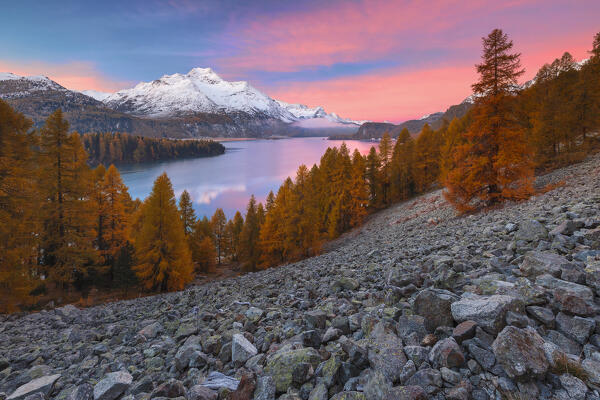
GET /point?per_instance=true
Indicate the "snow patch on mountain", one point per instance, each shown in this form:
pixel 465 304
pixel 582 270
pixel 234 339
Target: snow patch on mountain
pixel 94 94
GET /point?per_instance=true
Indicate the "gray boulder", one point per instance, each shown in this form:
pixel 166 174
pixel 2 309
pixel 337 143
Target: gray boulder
pixel 538 263
pixel 488 312
pixel 112 385
pixel 43 385
pixel 531 230
pixel 434 306
pixel 521 353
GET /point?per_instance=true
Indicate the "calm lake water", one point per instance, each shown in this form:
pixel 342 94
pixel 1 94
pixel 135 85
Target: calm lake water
pixel 227 181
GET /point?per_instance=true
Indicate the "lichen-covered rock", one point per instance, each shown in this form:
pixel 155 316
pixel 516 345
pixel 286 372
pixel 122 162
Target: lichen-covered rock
pixel 521 353
pixel 284 365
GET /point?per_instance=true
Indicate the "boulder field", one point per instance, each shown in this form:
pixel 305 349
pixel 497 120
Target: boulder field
pixel 418 303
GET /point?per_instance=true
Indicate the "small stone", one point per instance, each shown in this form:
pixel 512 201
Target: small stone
pixel 170 389
pixel 576 328
pixel 542 314
pixel 428 379
pixel 446 353
pixel 82 392
pixel 254 314
pixel 217 381
pixel 315 319
pixel 465 330
pixel 241 349
pixel 112 385
pixel 575 387
pixel 450 376
pixel 151 331
pixel 198 392
pixel 265 388
pixel 485 358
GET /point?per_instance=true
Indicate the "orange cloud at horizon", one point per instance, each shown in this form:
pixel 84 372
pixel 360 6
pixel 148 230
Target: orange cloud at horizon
pixel 76 75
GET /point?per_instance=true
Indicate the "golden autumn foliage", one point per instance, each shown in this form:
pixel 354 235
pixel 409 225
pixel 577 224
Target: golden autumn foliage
pixel 162 253
pixel 64 224
pixel 493 163
pixel 17 199
pixel 65 186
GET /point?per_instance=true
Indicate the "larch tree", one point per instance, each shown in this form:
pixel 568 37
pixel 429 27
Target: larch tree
pixel 359 192
pixel 372 173
pixel 115 234
pixel 186 209
pixel 163 257
pixel 385 157
pixel 402 174
pixel 218 223
pixel 65 183
pixel 250 235
pixel 494 163
pixel 17 209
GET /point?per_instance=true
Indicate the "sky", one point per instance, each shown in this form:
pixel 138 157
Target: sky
pixel 379 60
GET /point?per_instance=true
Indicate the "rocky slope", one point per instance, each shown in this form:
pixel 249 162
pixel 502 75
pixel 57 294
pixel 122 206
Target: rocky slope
pixel 417 304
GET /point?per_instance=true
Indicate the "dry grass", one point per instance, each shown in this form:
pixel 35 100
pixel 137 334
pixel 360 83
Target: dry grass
pixel 564 365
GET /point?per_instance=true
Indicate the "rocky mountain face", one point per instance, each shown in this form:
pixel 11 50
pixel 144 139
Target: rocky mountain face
pixel 419 303
pixel 199 103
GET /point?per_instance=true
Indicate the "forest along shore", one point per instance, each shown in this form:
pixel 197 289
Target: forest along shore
pixel 419 303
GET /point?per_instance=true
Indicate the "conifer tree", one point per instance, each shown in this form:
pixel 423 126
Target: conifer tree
pixel 402 169
pixel 385 157
pixel 218 222
pixel 206 254
pixel 115 235
pixel 17 209
pixel 373 165
pixel 359 193
pixel 186 209
pixel 162 253
pixel 249 237
pixel 494 162
pixel 65 183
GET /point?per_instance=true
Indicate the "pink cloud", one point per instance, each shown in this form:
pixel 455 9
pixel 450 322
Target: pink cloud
pixel 399 95
pixel 72 75
pixel 349 32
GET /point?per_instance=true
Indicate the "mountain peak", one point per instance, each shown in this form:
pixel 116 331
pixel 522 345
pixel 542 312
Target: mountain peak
pixel 204 74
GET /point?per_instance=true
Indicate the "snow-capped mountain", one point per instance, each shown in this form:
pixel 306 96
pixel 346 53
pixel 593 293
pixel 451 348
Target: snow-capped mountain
pixel 199 103
pixel 16 86
pixel 203 91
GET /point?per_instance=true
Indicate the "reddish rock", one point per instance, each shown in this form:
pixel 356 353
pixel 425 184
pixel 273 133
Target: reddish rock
pixel 465 330
pixel 245 390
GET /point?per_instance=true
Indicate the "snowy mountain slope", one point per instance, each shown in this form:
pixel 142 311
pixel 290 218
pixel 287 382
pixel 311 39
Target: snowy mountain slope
pixel 94 94
pixel 199 91
pixel 16 86
pixel 203 91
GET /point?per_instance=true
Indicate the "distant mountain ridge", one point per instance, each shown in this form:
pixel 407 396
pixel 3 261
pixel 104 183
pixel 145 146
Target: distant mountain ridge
pixel 375 130
pixel 196 104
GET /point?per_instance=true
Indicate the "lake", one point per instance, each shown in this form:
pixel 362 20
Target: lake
pixel 227 181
